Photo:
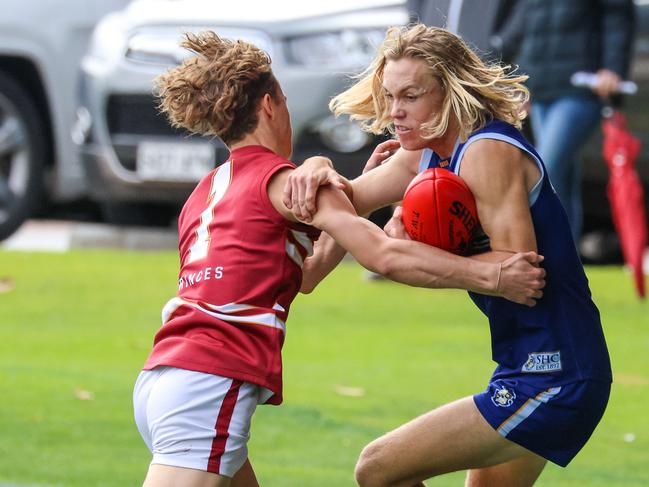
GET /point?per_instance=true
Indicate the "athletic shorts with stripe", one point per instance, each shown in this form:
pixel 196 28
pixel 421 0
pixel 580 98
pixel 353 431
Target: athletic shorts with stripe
pixel 554 423
pixel 195 420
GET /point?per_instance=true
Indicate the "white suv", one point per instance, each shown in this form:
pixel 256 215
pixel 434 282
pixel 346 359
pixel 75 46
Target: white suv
pixel 41 44
pixel 136 162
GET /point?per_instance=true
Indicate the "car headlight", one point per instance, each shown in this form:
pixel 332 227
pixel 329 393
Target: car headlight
pixel 341 134
pixel 345 49
pixel 154 48
pixel 105 43
pixel 162 46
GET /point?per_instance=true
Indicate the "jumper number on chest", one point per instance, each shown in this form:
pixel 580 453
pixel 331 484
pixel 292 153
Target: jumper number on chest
pixel 220 182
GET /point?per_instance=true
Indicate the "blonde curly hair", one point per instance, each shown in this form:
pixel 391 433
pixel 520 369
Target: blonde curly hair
pixel 217 91
pixel 475 92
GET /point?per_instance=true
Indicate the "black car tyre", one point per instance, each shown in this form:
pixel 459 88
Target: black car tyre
pixel 22 155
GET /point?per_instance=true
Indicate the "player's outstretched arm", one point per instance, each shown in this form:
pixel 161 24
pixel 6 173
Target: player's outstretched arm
pixel 327 254
pixel 298 198
pixel 422 265
pixel 519 272
pixel 301 186
pixel 383 181
pixel 409 262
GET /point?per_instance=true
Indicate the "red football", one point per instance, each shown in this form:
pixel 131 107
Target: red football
pixel 439 209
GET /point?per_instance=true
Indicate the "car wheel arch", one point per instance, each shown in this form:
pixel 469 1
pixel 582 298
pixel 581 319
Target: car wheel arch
pixel 25 72
pixel 23 155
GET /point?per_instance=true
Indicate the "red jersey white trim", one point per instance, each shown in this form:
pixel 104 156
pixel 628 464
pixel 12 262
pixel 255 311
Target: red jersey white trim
pixel 226 313
pixel 240 269
pixel 299 247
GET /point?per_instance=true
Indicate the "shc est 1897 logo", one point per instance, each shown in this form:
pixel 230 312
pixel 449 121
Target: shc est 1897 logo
pixel 540 362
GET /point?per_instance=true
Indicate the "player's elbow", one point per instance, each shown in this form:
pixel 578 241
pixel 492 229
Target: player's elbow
pixel 309 280
pixel 373 466
pixel 307 287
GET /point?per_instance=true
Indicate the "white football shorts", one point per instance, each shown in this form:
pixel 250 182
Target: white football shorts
pixel 195 420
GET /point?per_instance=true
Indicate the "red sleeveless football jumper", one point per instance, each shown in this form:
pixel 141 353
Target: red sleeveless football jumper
pixel 240 269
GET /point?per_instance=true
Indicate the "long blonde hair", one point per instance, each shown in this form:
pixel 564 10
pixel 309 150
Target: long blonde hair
pixel 474 92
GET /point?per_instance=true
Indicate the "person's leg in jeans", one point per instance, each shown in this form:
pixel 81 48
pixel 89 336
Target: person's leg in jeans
pixel 561 128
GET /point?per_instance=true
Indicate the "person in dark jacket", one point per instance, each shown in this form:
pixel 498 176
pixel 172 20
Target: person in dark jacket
pixel 557 39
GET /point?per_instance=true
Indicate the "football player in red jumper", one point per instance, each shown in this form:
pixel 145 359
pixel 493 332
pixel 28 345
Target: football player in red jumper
pixel 243 257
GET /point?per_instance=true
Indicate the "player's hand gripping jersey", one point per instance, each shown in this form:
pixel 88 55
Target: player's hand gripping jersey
pixel 241 267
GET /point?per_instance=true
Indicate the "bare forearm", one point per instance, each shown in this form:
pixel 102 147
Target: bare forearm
pixel 385 184
pixel 416 264
pixel 421 265
pixel 493 256
pixel 518 278
pixel 326 256
pixel 367 199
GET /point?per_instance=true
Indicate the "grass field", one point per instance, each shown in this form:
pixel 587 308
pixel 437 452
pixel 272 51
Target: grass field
pixel 360 358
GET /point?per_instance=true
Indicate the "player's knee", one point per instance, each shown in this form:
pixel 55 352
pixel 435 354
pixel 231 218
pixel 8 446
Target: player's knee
pixel 371 469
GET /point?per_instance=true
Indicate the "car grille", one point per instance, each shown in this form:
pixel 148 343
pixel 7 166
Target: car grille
pixel 132 118
pixel 137 115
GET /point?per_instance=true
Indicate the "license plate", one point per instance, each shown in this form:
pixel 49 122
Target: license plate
pixel 173 161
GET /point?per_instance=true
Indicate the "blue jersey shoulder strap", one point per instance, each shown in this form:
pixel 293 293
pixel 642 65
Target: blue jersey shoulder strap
pixel 496 130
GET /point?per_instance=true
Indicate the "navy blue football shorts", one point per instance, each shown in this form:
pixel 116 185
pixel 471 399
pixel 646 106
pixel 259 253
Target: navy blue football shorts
pixel 554 423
